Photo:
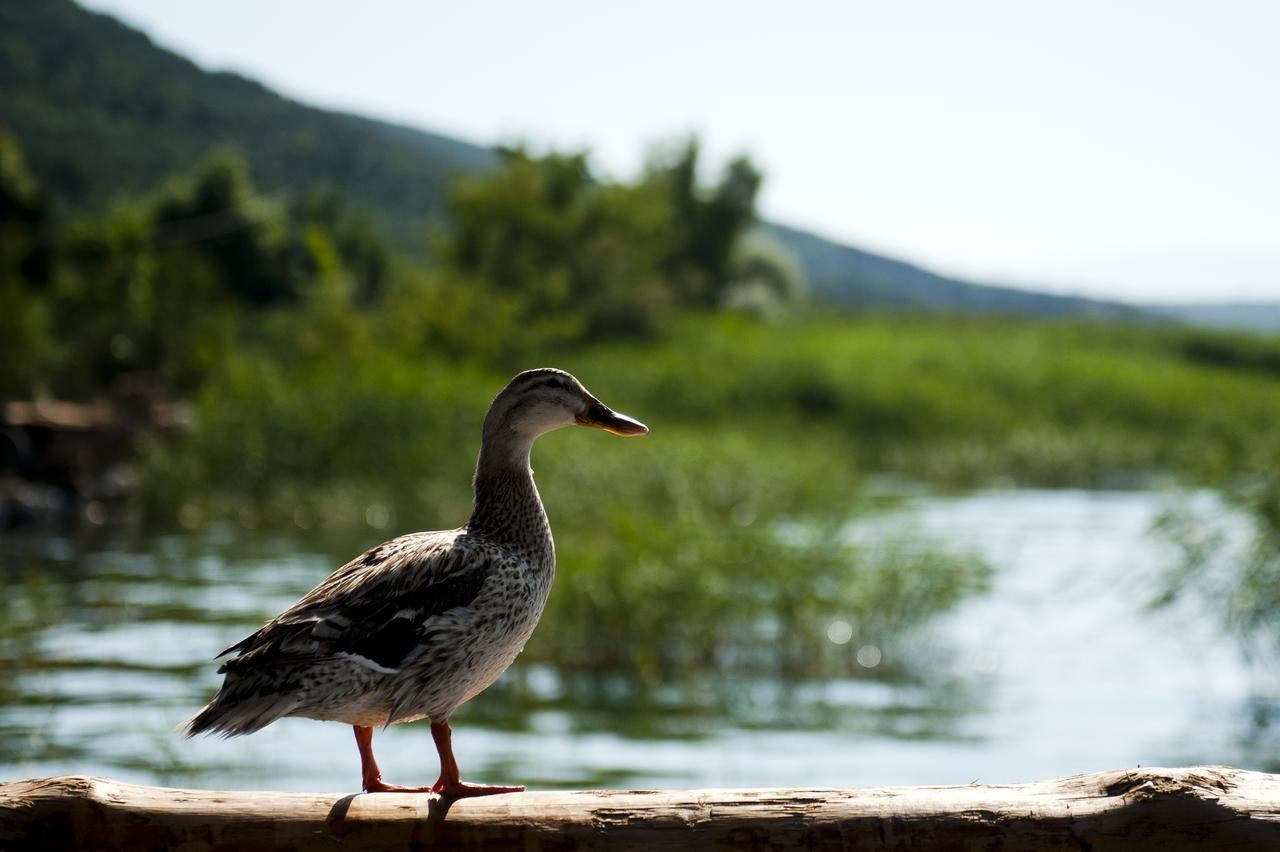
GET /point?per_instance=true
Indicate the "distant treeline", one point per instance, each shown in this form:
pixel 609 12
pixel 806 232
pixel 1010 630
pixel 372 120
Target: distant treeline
pixel 535 252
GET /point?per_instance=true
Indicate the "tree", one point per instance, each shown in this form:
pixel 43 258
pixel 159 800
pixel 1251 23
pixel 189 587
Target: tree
pixel 27 346
pixel 590 258
pixel 707 224
pixel 218 216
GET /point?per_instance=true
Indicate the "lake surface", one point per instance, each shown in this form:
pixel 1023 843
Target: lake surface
pixel 1060 668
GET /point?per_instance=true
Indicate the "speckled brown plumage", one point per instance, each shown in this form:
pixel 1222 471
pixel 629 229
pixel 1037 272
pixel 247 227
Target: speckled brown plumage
pixel 418 625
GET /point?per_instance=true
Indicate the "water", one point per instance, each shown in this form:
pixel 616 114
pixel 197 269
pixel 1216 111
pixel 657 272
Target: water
pixel 1059 669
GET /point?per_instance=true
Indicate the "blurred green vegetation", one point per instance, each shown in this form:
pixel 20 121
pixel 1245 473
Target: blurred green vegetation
pixel 333 382
pixel 1229 553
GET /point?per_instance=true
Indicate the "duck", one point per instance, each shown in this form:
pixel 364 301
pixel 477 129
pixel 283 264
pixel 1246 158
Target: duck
pixel 415 627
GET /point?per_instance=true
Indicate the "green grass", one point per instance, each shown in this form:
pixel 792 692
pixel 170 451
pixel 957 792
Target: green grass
pixel 959 400
pixel 674 551
pixel 950 401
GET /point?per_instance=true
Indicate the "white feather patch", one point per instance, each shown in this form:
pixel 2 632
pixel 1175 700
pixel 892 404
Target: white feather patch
pixel 366 662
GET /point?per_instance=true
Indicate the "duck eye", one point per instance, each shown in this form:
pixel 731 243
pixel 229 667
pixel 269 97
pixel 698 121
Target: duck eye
pixel 554 383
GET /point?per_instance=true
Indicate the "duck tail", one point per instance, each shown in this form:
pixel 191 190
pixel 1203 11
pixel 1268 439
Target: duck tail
pixel 231 718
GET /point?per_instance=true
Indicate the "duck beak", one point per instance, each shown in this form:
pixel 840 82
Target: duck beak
pixel 600 416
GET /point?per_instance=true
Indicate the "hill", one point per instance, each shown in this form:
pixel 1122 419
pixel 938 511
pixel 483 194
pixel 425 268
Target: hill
pixel 1251 316
pixel 100 109
pixel 849 276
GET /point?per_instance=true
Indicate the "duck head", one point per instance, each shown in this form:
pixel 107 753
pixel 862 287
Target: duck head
pixel 538 401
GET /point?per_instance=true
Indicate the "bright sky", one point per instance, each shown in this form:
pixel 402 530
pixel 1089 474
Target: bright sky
pixel 1121 149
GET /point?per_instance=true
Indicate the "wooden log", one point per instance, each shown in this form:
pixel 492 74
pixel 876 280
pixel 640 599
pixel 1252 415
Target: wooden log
pixel 1207 807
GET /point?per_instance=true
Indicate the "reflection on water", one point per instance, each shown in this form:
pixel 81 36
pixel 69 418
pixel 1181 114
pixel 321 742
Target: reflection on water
pixel 1080 674
pixel 1059 669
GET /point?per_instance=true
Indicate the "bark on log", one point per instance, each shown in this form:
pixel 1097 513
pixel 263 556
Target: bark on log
pixel 1214 807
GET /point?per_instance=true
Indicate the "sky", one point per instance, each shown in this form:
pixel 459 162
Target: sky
pixel 1124 150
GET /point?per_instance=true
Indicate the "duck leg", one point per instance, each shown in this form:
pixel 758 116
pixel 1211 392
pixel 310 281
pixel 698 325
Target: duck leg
pixel 450 783
pixel 371 774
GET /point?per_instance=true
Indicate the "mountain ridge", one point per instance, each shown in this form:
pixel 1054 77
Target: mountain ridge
pixel 148 113
pixel 851 276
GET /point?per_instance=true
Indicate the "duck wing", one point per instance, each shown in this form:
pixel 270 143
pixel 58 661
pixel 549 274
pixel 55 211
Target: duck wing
pixel 377 609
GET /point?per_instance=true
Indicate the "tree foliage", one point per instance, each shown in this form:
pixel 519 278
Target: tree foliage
pixel 26 341
pixel 168 285
pixel 537 252
pixel 594 257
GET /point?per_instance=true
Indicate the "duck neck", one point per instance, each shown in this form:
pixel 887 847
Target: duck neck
pixel 508 508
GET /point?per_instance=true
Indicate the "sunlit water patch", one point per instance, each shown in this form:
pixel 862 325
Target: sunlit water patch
pixel 1060 668
pixel 1079 674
